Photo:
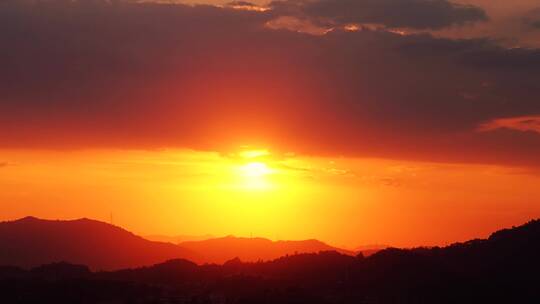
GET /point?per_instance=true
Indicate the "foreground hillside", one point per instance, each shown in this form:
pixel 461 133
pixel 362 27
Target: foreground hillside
pixel 501 269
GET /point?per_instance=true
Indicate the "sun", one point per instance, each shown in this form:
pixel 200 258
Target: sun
pixel 255 170
pixel 254 176
pixel 254 173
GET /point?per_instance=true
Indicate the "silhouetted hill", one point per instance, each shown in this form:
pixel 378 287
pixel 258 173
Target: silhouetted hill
pixel 220 250
pixel 368 250
pixel 501 269
pixel 31 242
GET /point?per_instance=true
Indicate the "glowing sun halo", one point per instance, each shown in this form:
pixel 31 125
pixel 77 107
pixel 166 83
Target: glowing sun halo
pixel 255 169
pixel 255 176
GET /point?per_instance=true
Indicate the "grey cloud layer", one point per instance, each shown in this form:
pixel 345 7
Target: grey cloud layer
pixel 416 14
pixel 99 74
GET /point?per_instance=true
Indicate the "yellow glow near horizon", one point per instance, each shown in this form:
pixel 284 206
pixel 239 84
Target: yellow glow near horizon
pixel 339 200
pixel 254 176
pixel 255 170
pixel 254 153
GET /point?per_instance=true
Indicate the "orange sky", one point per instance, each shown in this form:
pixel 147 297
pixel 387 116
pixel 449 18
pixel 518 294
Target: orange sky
pixel 344 201
pixel 354 121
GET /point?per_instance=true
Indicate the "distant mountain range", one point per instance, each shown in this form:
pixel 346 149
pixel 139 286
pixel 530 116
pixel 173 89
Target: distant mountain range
pixel 220 250
pixel 30 242
pixel 501 269
pixel 176 239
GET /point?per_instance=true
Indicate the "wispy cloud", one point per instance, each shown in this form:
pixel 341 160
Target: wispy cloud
pixel 521 123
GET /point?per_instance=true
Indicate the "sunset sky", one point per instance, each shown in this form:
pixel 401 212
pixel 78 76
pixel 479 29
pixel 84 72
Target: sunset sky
pixel 355 122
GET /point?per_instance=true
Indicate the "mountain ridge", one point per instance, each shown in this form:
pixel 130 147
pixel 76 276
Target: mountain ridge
pixel 221 250
pixel 30 242
pixel 502 268
pixel 103 246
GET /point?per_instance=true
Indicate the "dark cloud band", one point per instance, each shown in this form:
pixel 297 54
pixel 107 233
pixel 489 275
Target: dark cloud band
pixel 120 74
pixel 415 14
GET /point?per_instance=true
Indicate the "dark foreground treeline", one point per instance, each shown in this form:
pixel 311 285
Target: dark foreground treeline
pixel 502 269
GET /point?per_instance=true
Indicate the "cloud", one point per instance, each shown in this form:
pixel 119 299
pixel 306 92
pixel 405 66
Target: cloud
pixel 531 19
pixel 244 5
pixel 415 14
pixel 524 124
pixel 146 75
pixel 508 24
pixel 241 3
